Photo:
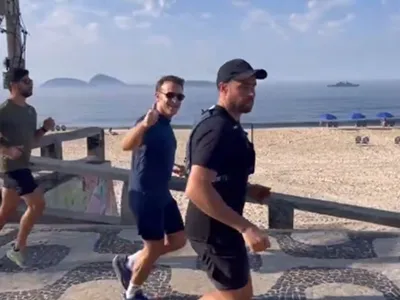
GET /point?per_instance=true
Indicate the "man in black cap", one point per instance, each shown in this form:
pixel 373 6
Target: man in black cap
pixel 18 135
pixel 219 160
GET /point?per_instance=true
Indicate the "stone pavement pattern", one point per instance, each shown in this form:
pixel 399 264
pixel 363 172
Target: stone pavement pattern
pixel 74 263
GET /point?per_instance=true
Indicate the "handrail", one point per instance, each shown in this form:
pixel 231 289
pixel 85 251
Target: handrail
pixel 57 137
pixel 281 205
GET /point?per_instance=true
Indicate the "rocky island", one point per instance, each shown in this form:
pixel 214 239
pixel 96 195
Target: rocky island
pixel 102 80
pixel 343 84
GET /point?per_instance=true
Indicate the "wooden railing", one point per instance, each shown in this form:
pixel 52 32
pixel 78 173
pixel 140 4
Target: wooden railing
pixel 281 206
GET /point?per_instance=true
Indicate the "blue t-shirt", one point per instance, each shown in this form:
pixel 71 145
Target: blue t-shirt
pixel 153 161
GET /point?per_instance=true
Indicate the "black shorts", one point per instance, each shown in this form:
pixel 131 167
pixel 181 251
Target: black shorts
pixel 155 215
pixel 20 180
pixel 227 268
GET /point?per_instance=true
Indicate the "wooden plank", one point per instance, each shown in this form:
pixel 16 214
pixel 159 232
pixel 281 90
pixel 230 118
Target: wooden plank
pixel 347 211
pixel 103 171
pixel 69 135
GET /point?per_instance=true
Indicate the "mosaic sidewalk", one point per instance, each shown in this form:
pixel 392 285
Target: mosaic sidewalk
pixel 74 263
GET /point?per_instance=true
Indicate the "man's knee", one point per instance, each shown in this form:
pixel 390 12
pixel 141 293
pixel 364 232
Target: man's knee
pixel 244 293
pixel 35 201
pixel 153 249
pixel 176 241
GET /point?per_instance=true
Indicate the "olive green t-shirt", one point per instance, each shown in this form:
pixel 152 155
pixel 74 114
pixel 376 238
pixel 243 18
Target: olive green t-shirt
pixel 18 125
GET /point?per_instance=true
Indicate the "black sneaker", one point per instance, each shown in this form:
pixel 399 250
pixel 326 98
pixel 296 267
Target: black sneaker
pixel 121 271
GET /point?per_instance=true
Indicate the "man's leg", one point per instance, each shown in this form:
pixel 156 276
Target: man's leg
pixel 9 204
pixel 228 270
pixel 149 216
pixel 175 237
pixel 30 192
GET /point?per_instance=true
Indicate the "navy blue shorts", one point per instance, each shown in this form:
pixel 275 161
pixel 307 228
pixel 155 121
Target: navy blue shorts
pixel 20 180
pixel 154 216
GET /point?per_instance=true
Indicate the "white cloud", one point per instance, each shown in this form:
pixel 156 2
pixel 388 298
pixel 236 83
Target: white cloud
pixel 151 8
pixel 335 26
pixel 123 22
pixel 205 15
pixel 316 11
pixel 62 25
pixel 257 17
pixel 240 3
pixel 159 40
pixel 128 22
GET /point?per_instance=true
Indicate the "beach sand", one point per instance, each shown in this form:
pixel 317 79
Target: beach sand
pixel 320 163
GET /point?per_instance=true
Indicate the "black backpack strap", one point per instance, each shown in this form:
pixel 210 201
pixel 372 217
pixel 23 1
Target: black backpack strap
pixel 206 114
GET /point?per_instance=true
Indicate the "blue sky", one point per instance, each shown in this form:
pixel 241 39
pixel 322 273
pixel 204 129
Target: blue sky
pixel 140 40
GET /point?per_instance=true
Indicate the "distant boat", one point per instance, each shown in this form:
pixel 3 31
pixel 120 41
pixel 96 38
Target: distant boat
pixel 343 84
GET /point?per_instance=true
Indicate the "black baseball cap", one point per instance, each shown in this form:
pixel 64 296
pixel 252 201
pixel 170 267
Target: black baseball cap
pixel 238 69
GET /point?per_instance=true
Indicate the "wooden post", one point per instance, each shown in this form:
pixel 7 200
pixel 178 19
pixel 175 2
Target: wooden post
pixel 53 150
pixel 96 146
pixel 127 217
pixel 280 215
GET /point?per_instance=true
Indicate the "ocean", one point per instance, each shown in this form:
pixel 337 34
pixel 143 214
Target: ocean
pixel 275 102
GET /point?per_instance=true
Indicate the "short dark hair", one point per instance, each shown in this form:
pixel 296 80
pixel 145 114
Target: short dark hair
pixel 170 78
pixel 17 74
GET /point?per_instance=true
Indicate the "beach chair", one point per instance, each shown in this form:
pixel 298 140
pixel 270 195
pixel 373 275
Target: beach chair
pixel 361 123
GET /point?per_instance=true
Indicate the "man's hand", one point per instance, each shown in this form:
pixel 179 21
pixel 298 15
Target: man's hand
pixel 256 239
pixel 179 170
pixel 13 152
pixel 49 124
pixel 151 117
pixel 258 192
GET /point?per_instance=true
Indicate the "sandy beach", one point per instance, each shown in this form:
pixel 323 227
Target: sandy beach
pixel 316 162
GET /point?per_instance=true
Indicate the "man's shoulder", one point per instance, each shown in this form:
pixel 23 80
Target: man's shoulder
pixel 215 124
pixel 4 104
pixel 31 109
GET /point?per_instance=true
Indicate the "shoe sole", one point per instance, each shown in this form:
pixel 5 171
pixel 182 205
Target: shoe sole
pixel 15 261
pixel 118 272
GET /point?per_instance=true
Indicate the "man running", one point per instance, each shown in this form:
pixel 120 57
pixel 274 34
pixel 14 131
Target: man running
pixel 19 134
pixel 159 221
pixel 221 158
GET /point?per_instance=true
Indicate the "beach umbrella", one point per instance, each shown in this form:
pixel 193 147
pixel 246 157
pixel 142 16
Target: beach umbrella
pixel 357 116
pixel 384 115
pixel 328 117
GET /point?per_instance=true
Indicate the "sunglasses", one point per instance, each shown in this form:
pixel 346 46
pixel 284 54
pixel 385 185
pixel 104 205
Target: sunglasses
pixel 171 95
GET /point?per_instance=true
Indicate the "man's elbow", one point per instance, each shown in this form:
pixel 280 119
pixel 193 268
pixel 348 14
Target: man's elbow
pixel 127 146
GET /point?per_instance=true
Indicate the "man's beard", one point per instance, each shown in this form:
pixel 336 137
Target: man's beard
pixel 26 94
pixel 245 109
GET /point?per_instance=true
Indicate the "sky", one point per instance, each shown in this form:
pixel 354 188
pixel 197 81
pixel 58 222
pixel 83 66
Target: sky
pixel 140 40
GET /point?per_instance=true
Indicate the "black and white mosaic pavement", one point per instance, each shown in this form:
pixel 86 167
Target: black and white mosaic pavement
pixel 60 259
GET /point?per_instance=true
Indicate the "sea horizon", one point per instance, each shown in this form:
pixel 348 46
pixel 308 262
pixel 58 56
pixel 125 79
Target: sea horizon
pixel 276 102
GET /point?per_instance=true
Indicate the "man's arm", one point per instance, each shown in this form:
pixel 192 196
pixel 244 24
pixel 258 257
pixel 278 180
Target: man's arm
pixel 3 141
pixel 39 133
pixel 134 137
pixel 207 153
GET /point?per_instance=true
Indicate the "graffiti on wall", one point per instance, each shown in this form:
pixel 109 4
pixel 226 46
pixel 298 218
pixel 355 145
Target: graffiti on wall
pixel 87 194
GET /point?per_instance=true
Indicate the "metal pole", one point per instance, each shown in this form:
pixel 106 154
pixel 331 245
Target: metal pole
pixel 15 57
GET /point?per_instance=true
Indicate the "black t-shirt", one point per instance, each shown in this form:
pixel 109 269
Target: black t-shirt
pixel 219 143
